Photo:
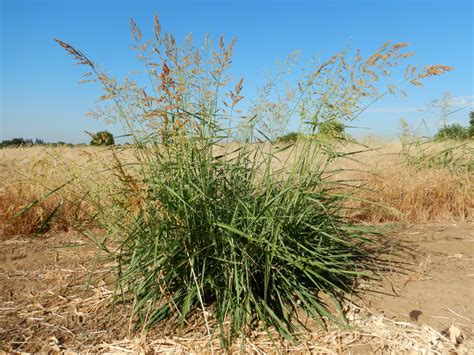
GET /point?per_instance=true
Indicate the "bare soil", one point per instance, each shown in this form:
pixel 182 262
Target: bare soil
pixel 46 303
pixel 432 281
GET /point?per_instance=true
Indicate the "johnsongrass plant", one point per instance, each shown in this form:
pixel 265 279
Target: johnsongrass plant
pixel 233 233
pixel 218 224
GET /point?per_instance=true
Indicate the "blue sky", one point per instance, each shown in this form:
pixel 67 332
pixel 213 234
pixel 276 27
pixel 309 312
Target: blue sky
pixel 41 97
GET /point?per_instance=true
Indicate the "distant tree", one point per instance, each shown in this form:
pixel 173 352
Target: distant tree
pixel 18 141
pixel 102 138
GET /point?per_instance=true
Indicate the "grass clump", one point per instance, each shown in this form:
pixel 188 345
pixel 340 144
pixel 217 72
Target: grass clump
pixel 233 233
pixel 209 220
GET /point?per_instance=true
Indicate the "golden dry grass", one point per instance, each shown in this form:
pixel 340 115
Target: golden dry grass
pixel 19 215
pixel 410 193
pixel 42 189
pixel 413 196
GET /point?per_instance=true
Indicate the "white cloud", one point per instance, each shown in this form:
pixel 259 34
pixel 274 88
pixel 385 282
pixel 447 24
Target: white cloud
pixel 455 102
pixel 396 109
pixel 463 101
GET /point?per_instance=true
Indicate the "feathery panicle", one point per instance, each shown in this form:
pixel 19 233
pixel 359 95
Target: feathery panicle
pixel 135 30
pixel 77 55
pixel 434 70
pixel 157 29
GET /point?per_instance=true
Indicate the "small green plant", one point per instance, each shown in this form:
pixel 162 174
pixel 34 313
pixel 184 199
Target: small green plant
pixel 102 138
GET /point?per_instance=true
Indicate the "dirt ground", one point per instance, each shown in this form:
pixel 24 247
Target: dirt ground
pixel 46 305
pixel 434 284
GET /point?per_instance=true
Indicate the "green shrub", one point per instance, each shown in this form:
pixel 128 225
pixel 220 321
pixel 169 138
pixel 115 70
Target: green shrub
pixel 102 138
pixel 327 129
pixel 453 131
pixel 289 137
pixel 17 142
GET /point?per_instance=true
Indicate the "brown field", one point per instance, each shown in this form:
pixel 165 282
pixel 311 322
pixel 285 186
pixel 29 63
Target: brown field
pixel 49 302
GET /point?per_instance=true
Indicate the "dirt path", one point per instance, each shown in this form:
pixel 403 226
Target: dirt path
pixel 44 304
pixel 437 277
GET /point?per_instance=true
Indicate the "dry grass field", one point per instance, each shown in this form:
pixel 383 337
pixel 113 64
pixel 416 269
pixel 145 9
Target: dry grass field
pixel 393 191
pixel 55 296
